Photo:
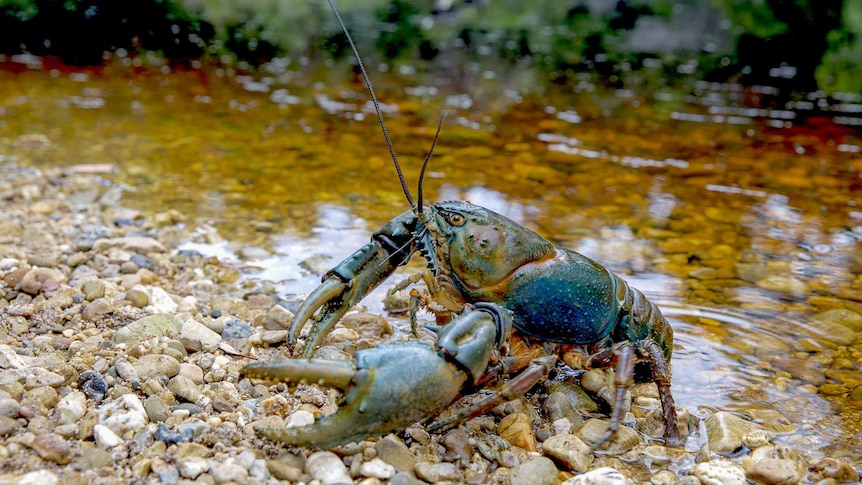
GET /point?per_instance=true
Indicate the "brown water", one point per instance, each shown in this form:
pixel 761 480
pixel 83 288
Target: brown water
pixel 741 221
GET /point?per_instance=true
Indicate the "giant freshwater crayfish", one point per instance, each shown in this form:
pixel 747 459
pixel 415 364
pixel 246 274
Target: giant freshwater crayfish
pixel 518 304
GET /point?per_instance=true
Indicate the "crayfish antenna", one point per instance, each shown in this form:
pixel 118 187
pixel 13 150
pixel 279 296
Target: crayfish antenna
pixel 376 104
pixel 425 163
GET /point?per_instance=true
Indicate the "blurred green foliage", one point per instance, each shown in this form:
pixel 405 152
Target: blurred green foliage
pixel 796 44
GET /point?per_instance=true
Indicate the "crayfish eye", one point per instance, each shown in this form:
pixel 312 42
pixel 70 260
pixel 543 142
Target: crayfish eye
pixel 455 219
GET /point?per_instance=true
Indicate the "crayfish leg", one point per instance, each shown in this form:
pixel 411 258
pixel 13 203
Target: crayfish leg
pixel 535 372
pixel 661 375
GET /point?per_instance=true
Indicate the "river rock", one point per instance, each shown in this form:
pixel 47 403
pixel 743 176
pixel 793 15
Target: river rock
pixel 841 316
pixel 154 365
pixel 52 447
pixel 183 388
pixel 377 468
pixel 774 471
pixel 70 408
pixel 517 429
pixel 37 278
pixel 835 469
pixel 599 476
pixel 623 440
pixel 719 472
pixel 92 385
pixel 126 413
pixel 783 284
pixel 394 452
pixel 437 472
pixel 105 438
pixel 192 466
pixel 570 451
pixel 327 467
pixel 195 336
pixel 147 327
pixel 538 471
pixel 725 431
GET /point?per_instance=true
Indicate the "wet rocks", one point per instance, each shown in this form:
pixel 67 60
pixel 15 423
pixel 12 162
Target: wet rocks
pixel 569 451
pixel 726 431
pixel 719 472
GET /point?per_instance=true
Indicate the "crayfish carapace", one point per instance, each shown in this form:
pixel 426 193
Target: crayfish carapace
pixel 498 281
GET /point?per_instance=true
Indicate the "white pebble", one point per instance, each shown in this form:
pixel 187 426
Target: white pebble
pixel 299 418
pixel 71 408
pixel 125 413
pixel 599 476
pixel 105 438
pixel 377 468
pixel 327 467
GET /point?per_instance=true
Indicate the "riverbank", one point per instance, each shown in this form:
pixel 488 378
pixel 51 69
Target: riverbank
pixel 120 357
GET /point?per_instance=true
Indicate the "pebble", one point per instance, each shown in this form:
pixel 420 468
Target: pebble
pixel 517 429
pixel 34 280
pixel 70 408
pixel 457 443
pixel 167 436
pixel 183 388
pixel 138 297
pixel 570 451
pixel 97 308
pixel 538 471
pixel 38 477
pixel 93 289
pixel 437 472
pixel 192 466
pixel 9 407
pixel 92 385
pixel 719 472
pixel 327 467
pixel 835 469
pixel 774 471
pixel 599 476
pixel 52 447
pixel 195 336
pixel 8 425
pixel 39 377
pixel 155 365
pixel 147 327
pixel 394 452
pixel 126 413
pixel 235 329
pixel 623 440
pixel 377 468
pixel 105 438
pixel 725 431
pixel 91 457
pixel 232 472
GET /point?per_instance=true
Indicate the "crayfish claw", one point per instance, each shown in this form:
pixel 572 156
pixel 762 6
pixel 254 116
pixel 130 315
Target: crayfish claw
pixel 335 373
pixel 389 388
pixel 329 298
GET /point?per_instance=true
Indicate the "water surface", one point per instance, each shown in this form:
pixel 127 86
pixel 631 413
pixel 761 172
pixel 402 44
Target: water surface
pixel 734 209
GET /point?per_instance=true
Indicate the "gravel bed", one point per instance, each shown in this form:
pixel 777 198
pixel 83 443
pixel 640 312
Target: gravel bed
pixel 120 361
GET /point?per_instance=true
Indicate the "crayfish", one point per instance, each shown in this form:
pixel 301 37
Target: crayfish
pixel 518 306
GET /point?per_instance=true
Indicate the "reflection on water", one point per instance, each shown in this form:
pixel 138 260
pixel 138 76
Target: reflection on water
pixel 736 210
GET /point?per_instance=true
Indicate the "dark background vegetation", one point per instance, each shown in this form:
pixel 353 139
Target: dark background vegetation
pixel 796 45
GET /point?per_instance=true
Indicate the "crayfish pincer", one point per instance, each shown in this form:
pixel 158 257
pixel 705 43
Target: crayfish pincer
pixel 390 387
pixel 483 271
